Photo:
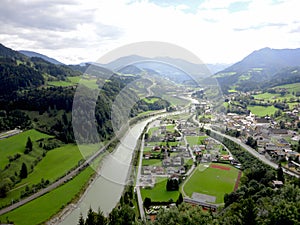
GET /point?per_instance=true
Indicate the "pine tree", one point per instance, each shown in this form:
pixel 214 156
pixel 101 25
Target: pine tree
pixel 90 220
pixel 28 147
pixel 100 218
pixel 23 171
pixel 81 220
pixel 280 175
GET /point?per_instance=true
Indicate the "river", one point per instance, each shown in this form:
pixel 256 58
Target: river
pixel 106 190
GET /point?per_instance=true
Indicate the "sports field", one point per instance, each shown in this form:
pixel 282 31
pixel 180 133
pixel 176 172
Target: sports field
pixel 212 179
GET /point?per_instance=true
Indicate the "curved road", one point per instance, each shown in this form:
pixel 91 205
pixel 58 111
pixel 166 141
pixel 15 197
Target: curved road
pixel 253 152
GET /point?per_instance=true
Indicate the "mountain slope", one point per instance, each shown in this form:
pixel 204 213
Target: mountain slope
pixel 35 54
pixel 9 53
pixel 259 66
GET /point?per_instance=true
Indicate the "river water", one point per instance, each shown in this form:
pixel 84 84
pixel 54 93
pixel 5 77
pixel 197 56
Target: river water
pixel 106 190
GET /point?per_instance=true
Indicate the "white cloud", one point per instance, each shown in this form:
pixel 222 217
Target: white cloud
pixel 85 30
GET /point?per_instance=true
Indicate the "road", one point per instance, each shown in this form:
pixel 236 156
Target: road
pixel 137 186
pixel 252 151
pixel 56 184
pixel 9 133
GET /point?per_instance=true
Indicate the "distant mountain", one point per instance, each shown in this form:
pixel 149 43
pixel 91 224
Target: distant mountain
pixel 130 69
pixel 215 68
pixel 121 62
pixel 35 54
pixel 175 69
pixel 258 67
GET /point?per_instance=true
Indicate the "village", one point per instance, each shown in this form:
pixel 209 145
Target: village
pixel 277 139
pixel 173 148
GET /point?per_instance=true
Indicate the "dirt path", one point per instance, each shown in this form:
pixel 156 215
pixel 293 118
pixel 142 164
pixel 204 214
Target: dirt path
pixel 236 186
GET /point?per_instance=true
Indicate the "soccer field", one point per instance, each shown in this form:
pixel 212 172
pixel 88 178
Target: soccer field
pixel 216 180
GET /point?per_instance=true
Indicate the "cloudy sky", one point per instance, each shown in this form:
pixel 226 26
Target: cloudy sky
pixel 217 31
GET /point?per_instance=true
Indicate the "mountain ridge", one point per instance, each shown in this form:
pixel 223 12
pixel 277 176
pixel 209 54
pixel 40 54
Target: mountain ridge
pixel 31 54
pixel 259 66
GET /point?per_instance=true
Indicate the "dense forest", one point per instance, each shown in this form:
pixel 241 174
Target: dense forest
pixel 26 101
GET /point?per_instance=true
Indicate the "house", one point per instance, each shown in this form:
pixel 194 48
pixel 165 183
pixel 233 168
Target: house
pixel 147 155
pixel 177 161
pixel 279 131
pixel 166 162
pixel 147 170
pixel 171 170
pixel 277 183
pixel 225 157
pixel 182 170
pixel 159 170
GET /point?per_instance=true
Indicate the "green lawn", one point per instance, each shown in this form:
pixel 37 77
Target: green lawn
pixel 195 140
pixel 152 162
pixel 60 83
pixel 44 207
pixel 60 160
pixel 159 193
pixel 150 100
pixel 292 104
pixel 163 143
pixel 152 129
pixel 266 96
pixel 170 127
pixel 89 82
pixel 16 144
pixel 174 100
pixel 261 110
pixel 212 181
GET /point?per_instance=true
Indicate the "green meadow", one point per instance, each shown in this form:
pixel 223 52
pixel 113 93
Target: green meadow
pixel 43 208
pixel 195 140
pixel 70 81
pixel 262 110
pixel 159 193
pixel 16 144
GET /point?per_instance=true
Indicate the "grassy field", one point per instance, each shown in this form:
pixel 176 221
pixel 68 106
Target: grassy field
pixel 175 100
pixel 150 100
pixel 163 143
pixel 261 110
pixel 44 207
pixel 266 96
pixel 170 127
pixel 16 144
pixel 60 160
pixel 292 104
pixel 195 140
pixel 290 87
pixel 159 192
pixel 89 82
pixel 212 181
pixel 152 129
pixel 151 162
